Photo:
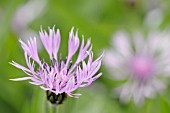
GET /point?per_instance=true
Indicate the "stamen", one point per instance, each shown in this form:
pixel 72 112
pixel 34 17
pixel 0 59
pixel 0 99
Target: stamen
pixel 55 75
pixel 44 65
pixel 65 60
pixel 60 62
pixel 53 62
pixel 68 69
pixel 75 77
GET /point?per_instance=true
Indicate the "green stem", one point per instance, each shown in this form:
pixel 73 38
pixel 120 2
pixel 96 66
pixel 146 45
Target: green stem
pixel 57 109
pixel 46 107
pixel 50 108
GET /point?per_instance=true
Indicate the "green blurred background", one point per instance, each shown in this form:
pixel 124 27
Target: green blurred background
pixel 97 19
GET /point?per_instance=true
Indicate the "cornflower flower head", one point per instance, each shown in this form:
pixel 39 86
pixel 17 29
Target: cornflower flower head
pixel 61 77
pixel 142 64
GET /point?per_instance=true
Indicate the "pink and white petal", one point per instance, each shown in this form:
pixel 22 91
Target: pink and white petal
pixel 36 83
pixel 158 84
pixel 159 42
pixel 28 62
pixel 73 44
pixel 139 42
pixel 25 47
pixel 116 65
pixel 57 87
pixel 86 83
pixel 36 79
pixel 74 95
pixel 100 58
pixel 71 85
pixel 56 43
pixel 50 38
pixel 90 60
pixel 165 42
pixel 122 44
pixel 44 88
pixel 35 50
pixel 123 92
pixel 154 41
pixel 31 49
pixel 97 76
pixel 138 93
pixel 94 69
pixel 46 42
pixel 148 91
pixel 112 59
pixel 20 66
pixel 138 97
pixel 83 50
pixel 21 79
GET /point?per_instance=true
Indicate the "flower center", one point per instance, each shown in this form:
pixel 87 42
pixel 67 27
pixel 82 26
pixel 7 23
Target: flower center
pixel 142 66
pixel 56 99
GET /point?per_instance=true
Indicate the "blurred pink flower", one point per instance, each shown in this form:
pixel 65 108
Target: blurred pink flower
pixel 143 63
pixel 61 76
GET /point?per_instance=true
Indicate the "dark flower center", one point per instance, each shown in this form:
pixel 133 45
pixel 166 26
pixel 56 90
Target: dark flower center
pixel 56 99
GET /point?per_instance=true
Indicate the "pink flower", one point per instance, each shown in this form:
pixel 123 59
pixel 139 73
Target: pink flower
pixel 142 63
pixel 59 77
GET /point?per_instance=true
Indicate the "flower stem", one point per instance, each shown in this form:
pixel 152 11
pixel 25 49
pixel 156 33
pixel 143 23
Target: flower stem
pixel 50 108
pixel 53 108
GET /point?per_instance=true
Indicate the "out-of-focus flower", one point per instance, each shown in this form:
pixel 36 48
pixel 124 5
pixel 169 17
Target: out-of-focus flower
pixel 142 63
pixel 26 14
pixel 152 4
pixel 60 77
pixel 154 18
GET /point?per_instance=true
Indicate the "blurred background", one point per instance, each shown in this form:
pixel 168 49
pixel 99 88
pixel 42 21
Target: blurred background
pixel 98 19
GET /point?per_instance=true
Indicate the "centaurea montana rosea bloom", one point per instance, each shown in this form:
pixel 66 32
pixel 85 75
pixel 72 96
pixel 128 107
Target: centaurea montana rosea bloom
pixel 142 63
pixel 61 77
